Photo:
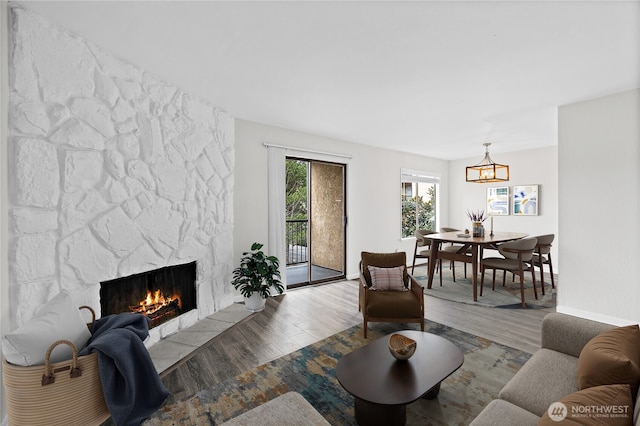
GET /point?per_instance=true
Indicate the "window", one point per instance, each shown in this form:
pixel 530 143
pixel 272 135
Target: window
pixel 418 199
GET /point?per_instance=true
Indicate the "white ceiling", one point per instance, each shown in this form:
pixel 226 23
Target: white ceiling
pixel 434 78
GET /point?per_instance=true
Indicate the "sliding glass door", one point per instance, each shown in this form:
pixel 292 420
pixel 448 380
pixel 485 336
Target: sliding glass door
pixel 316 221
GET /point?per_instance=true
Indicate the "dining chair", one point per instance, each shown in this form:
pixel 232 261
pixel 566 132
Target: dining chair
pixel 455 253
pixel 542 256
pixel 422 248
pixel 516 259
pixel 454 248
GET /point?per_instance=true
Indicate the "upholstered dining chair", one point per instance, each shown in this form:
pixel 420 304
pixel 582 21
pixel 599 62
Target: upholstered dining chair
pixel 516 259
pixel 387 292
pixel 454 248
pixel 422 248
pixel 542 256
pixel 454 253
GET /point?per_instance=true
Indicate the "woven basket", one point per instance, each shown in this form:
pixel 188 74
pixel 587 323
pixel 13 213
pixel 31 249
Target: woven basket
pixel 64 393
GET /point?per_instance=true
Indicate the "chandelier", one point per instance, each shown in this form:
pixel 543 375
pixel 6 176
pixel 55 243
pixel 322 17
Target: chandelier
pixel 487 171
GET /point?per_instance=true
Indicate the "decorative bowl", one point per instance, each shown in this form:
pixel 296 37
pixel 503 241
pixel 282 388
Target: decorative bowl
pixel 401 347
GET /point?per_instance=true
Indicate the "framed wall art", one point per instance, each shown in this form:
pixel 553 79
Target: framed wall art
pixel 498 201
pixel 525 200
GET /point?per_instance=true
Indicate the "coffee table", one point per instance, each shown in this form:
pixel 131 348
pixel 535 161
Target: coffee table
pixel 382 386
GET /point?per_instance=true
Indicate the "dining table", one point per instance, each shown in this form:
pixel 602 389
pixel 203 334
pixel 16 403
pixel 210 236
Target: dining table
pixel 474 245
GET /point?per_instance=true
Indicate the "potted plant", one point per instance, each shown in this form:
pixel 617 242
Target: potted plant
pixel 255 277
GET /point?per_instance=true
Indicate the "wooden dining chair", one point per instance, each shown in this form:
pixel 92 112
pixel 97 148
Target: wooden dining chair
pixel 422 248
pixel 454 253
pixel 454 248
pixel 542 256
pixel 516 259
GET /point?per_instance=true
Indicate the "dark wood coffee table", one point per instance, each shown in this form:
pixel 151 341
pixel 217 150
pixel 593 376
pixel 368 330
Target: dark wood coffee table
pixel 382 386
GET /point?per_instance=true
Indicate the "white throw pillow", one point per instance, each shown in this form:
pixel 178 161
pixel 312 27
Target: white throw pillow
pixel 58 319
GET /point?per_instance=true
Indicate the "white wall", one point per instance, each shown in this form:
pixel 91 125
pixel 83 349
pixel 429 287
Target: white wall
pixel 599 163
pixel 373 189
pixel 536 166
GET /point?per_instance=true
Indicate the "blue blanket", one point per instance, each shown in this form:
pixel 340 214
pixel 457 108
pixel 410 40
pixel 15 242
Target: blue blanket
pixel 130 383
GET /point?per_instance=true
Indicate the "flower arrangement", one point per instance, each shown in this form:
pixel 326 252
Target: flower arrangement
pixel 477 216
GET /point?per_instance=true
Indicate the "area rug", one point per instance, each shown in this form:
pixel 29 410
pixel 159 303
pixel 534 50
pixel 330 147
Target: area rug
pixel 310 371
pixel 508 296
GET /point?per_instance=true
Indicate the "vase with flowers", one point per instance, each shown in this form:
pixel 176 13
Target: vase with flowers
pixel 477 218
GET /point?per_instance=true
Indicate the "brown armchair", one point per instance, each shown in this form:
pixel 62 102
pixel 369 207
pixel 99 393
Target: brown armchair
pixel 389 305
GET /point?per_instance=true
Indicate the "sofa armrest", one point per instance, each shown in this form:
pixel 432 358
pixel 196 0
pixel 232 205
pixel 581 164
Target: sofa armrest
pixel 568 334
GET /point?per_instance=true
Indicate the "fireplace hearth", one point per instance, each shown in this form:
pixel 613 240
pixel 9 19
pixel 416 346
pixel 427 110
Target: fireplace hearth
pixel 160 294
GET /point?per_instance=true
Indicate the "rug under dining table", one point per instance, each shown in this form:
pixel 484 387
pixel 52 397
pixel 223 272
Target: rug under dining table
pixel 461 290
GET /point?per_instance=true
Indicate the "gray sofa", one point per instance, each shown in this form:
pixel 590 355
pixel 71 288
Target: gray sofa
pixel 549 375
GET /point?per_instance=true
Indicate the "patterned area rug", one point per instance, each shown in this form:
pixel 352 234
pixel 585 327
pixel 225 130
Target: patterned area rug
pixel 508 296
pixel 310 371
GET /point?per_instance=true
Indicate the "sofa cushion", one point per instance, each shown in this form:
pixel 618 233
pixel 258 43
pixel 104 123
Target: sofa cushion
pixel 503 413
pixel 387 278
pixel 612 357
pixel 290 408
pixel 611 405
pixel 545 378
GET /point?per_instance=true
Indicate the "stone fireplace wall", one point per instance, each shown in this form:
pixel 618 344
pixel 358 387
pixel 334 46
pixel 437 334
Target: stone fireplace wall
pixel 112 172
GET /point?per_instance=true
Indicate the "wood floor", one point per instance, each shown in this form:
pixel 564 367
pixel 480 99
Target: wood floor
pixel 303 316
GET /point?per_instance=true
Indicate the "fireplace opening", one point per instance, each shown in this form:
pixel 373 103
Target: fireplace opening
pixel 161 294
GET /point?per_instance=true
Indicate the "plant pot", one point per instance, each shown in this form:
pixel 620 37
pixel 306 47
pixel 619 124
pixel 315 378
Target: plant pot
pixel 255 303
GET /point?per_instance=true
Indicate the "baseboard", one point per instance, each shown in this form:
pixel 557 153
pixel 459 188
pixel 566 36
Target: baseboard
pixel 593 316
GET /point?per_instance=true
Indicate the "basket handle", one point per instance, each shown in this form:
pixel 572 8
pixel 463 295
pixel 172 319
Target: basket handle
pixel 48 377
pixel 93 314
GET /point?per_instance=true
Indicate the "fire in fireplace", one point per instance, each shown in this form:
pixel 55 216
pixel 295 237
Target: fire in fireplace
pixel 161 294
